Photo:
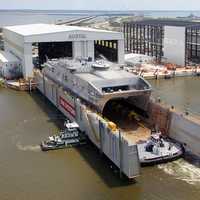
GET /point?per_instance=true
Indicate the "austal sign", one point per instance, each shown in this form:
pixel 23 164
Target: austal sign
pixel 77 36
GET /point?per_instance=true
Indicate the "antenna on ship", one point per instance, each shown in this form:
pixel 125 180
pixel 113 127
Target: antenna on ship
pixel 47 59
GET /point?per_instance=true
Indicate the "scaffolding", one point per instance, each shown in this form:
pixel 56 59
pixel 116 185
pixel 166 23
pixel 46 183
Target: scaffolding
pixel 144 38
pixel 147 36
pixel 192 53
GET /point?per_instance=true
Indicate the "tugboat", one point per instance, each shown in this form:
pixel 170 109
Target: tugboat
pixel 158 149
pixel 71 136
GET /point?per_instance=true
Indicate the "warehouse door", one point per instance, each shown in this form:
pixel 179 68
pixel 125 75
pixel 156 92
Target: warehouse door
pixel 54 50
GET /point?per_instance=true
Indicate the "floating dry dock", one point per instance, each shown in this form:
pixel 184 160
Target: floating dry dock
pixel 118 148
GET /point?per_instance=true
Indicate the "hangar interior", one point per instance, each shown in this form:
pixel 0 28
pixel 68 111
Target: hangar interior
pixel 53 50
pixel 106 49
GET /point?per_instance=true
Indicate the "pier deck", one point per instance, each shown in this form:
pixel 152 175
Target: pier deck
pixel 22 85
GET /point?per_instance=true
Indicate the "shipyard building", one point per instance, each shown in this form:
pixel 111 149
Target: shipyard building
pixel 33 44
pixel 170 41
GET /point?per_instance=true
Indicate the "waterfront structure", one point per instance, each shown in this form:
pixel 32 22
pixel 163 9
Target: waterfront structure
pixel 173 41
pixel 81 72
pixel 55 41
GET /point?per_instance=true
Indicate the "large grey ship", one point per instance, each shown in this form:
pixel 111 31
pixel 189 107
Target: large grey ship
pixel 114 92
pixel 98 82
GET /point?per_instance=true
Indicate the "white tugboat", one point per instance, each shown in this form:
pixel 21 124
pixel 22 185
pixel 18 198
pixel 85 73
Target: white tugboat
pixel 71 136
pixel 158 149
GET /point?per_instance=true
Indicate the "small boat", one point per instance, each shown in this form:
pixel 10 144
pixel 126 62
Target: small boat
pixel 71 136
pixel 158 149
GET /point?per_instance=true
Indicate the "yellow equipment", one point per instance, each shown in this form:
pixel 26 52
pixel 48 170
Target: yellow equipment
pixel 112 126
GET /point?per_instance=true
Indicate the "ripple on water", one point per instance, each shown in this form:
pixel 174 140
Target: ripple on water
pixel 182 170
pixel 34 148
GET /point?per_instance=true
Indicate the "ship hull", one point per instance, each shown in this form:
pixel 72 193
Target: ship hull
pixel 90 122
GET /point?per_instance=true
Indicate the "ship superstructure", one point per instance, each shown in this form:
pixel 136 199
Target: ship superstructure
pixel 96 82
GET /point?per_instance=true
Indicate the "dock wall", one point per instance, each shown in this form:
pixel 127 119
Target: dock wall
pixel 162 75
pixel 159 117
pixel 186 131
pixel 178 126
pixel 110 142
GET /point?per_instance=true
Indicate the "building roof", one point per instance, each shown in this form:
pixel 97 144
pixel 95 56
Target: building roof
pixel 38 29
pixel 6 57
pixel 167 22
pixel 31 33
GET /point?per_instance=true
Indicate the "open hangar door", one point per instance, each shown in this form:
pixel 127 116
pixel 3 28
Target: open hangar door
pixel 52 50
pixel 107 49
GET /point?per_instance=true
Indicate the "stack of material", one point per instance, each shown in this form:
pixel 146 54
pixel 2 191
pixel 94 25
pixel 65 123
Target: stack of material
pixel 135 59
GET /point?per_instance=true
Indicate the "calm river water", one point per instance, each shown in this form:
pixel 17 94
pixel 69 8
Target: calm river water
pixel 26 173
pixel 183 92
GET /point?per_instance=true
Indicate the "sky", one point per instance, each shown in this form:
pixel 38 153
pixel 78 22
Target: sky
pixel 101 4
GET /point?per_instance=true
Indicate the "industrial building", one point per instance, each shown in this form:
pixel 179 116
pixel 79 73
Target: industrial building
pixel 171 41
pixel 56 41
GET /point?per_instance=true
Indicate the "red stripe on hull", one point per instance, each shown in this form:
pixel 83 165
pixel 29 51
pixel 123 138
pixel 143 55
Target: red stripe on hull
pixel 67 107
